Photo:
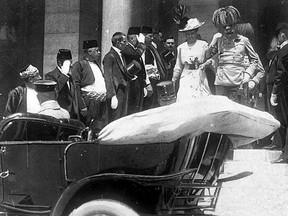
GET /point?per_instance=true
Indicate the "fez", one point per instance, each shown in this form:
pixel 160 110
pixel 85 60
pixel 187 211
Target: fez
pixel 90 44
pixel 146 30
pixel 45 85
pixel 134 31
pixel 64 54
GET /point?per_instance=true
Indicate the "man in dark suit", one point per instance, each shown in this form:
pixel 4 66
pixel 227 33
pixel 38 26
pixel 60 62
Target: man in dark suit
pixel 115 74
pixel 169 56
pixel 154 66
pixel 67 97
pixel 90 86
pixel 279 95
pixel 132 55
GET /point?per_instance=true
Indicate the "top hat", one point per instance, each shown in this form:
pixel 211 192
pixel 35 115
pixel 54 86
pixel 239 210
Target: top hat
pixel 64 54
pixel 133 68
pixel 165 89
pixel 146 30
pixel 90 44
pixel 168 56
pixel 192 24
pixel 45 85
pixel 134 31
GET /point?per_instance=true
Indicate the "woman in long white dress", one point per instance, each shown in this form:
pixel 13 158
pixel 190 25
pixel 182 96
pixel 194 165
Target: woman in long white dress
pixel 190 55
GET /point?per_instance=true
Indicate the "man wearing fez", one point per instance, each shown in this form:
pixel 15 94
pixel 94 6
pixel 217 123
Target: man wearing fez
pixel 169 56
pixel 24 98
pixel 154 66
pixel 67 97
pixel 47 96
pixel 115 73
pixel 132 55
pixel 90 86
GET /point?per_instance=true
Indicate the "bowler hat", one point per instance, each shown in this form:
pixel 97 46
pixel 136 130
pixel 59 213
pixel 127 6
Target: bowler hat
pixel 134 31
pixel 90 44
pixel 45 85
pixel 146 30
pixel 64 54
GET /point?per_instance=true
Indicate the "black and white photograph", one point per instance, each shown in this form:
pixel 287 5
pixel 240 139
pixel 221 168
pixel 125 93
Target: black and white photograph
pixel 143 107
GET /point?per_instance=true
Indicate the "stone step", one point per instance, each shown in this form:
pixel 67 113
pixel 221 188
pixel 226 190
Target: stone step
pixel 255 194
pixel 253 155
pixel 263 168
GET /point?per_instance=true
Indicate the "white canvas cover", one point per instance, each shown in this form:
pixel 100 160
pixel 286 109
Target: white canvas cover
pixel 216 114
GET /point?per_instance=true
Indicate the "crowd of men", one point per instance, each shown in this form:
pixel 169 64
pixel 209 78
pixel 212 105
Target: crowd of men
pixel 127 81
pixel 96 94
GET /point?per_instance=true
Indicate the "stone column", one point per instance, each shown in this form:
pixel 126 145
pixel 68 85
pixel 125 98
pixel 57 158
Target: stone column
pixel 117 17
pixel 61 30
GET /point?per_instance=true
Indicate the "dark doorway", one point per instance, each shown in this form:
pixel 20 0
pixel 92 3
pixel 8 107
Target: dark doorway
pixel 21 41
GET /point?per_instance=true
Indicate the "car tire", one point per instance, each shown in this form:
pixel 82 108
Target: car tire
pixel 103 207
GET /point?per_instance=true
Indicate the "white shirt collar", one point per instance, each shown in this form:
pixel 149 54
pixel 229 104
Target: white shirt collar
pixel 117 50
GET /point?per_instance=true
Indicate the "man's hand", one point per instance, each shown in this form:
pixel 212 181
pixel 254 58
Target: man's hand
pixel 114 102
pixel 66 67
pixel 141 38
pixel 273 100
pixel 84 111
pixel 251 85
pixel 215 38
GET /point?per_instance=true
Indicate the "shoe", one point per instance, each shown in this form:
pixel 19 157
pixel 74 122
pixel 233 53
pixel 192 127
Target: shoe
pixel 272 147
pixel 281 159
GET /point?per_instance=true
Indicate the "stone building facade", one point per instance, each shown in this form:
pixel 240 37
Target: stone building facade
pixel 31 31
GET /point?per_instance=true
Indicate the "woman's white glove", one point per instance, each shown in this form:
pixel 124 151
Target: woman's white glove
pixel 114 102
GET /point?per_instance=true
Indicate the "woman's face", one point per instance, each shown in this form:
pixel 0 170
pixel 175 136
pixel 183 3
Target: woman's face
pixel 191 35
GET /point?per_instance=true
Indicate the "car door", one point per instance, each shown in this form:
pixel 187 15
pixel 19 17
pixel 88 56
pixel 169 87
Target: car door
pixel 33 162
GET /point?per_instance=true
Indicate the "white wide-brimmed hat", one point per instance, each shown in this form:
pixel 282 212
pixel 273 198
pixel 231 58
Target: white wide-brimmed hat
pixel 192 23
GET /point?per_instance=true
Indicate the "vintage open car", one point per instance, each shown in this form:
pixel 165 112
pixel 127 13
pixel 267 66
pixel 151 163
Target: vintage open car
pixel 59 167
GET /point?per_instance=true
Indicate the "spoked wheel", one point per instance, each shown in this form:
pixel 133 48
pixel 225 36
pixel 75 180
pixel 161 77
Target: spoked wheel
pixel 103 207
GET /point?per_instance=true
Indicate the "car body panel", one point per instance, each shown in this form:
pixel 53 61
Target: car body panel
pixel 46 171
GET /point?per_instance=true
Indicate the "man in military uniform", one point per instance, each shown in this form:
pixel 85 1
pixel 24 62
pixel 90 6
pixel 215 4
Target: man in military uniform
pixel 47 95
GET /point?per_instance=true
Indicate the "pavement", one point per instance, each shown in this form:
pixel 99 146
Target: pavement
pixel 252 186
